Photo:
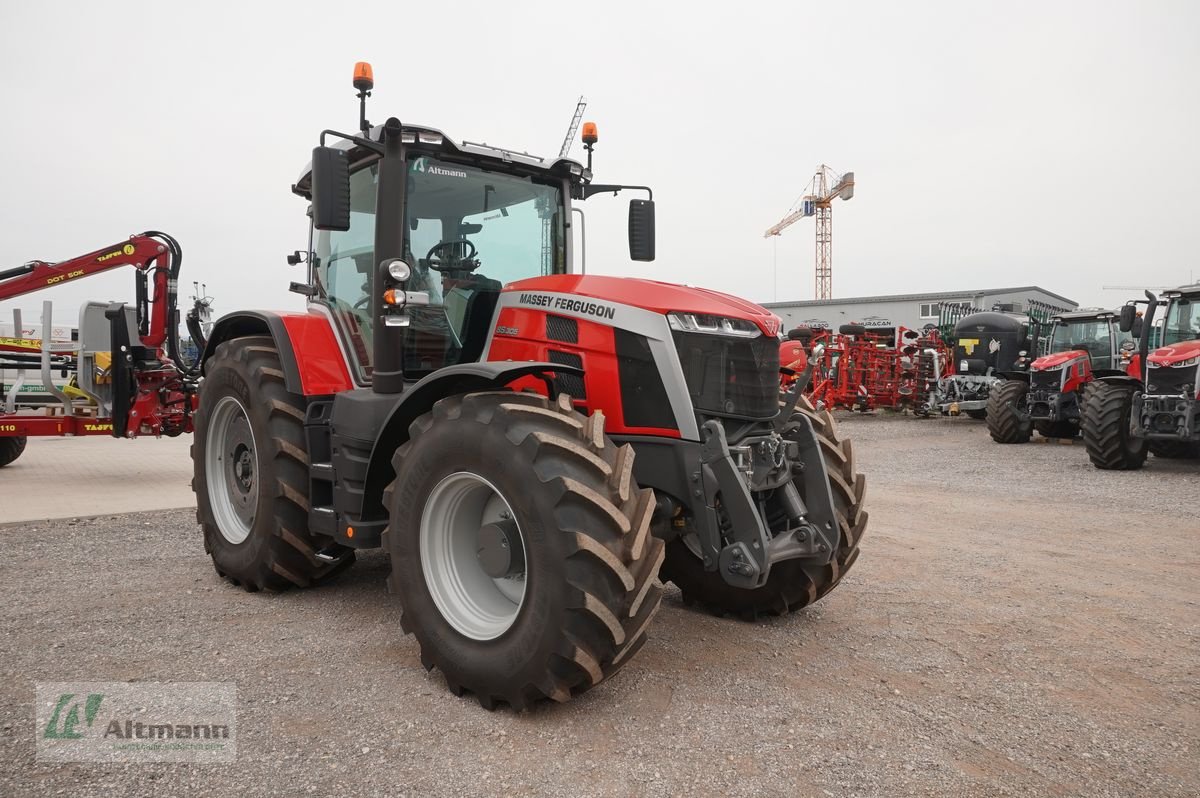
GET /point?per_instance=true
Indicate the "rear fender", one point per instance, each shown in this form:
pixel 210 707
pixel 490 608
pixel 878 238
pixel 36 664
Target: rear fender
pixel 313 363
pixel 420 399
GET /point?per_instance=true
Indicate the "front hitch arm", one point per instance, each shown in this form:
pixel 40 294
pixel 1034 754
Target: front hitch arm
pixel 743 562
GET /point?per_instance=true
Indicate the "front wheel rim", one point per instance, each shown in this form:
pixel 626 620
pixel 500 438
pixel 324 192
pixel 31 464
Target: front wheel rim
pixel 231 470
pixel 478 605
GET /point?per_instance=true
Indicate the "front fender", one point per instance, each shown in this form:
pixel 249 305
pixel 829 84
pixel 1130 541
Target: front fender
pixel 420 399
pixel 1120 379
pixel 1015 376
pixel 312 361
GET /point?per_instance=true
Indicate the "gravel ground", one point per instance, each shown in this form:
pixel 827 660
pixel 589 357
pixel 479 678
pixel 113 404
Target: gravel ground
pixel 1006 631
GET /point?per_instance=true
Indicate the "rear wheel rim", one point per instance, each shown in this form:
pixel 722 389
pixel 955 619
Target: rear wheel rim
pixel 477 605
pixel 231 470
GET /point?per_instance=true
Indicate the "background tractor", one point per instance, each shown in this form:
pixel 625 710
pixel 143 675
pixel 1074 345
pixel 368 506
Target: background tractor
pixel 1155 408
pixel 986 345
pixel 1083 345
pixel 533 446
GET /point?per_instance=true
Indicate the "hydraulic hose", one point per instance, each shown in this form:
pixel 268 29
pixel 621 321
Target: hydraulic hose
pixel 172 300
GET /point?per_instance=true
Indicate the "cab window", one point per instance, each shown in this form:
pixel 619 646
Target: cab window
pixel 342 264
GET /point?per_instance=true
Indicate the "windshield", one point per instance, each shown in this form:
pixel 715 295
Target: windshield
pixel 1092 336
pixel 1182 321
pixel 468 232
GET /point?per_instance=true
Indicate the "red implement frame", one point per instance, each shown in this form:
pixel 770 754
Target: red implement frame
pixel 873 370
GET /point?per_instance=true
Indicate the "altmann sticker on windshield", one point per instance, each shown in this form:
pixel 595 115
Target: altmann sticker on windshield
pixel 568 304
pixel 423 165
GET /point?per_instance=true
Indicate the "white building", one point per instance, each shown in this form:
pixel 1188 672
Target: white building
pixel 912 310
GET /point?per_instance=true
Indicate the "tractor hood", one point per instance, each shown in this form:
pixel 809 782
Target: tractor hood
pixel 653 296
pixel 1058 359
pixel 1175 353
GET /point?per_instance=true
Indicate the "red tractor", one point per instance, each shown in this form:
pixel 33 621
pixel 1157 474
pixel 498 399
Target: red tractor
pixel 1084 345
pixel 534 447
pixel 1155 409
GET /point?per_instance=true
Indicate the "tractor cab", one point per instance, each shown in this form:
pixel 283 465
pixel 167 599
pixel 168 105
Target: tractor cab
pixel 1093 332
pixel 475 218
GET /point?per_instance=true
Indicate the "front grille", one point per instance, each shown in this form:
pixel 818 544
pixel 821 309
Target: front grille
pixel 731 376
pixel 1045 380
pixel 1171 382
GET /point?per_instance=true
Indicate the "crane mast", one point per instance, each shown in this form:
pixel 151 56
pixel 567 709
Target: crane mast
pixel 818 201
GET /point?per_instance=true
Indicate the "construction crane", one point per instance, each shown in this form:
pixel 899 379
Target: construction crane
pixel 572 128
pixel 817 200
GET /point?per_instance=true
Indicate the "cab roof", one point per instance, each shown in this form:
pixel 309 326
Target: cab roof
pixel 434 142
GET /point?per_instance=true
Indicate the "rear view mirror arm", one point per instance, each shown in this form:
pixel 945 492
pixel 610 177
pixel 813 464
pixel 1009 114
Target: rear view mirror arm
pixel 589 189
pixel 374 146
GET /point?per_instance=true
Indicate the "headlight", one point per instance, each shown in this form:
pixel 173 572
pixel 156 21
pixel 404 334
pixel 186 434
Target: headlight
pixel 1191 361
pixel 713 325
pixel 398 270
pixel 1050 370
pixel 964 366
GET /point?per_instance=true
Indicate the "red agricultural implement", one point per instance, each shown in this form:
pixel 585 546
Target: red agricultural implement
pixel 128 377
pixel 863 370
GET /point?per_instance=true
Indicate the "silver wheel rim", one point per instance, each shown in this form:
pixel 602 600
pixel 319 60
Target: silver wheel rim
pixel 231 470
pixel 475 604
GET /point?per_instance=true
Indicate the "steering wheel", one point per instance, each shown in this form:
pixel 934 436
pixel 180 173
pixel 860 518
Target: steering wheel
pixel 452 262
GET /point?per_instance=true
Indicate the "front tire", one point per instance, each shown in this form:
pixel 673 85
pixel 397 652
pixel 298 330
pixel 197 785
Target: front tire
pixel 1007 417
pixel 567 597
pixel 250 465
pixel 792 584
pixel 11 449
pixel 1108 428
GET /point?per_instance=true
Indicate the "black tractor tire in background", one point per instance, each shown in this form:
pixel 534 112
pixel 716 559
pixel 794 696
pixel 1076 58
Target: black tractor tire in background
pixel 278 552
pixel 1175 450
pixel 792 584
pixel 11 448
pixel 1056 429
pixel 1007 419
pixel 852 329
pixel 590 560
pixel 978 415
pixel 1110 442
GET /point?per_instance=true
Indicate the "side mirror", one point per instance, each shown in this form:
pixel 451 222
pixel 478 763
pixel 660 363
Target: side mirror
pixel 330 189
pixel 1128 314
pixel 641 229
pixel 1137 327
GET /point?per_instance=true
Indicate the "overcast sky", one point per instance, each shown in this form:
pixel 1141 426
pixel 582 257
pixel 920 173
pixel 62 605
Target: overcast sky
pixel 994 144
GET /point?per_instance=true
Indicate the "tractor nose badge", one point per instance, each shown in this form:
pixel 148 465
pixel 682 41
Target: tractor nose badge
pixel 499 549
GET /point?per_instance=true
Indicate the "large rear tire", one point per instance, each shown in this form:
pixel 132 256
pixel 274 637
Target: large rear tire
pixel 1108 428
pixel 1007 417
pixel 11 449
pixel 792 584
pixel 250 465
pixel 566 598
